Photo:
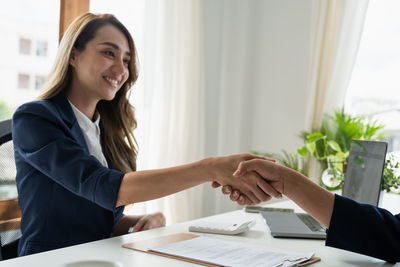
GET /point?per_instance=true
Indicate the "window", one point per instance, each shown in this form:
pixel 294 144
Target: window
pixel 374 88
pixel 39 81
pixel 24 46
pixel 31 44
pixel 23 81
pixel 41 48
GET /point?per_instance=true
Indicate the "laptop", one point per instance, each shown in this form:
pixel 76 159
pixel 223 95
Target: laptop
pixel 362 183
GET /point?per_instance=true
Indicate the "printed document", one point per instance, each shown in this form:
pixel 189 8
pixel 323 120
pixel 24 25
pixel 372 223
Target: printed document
pixel 231 253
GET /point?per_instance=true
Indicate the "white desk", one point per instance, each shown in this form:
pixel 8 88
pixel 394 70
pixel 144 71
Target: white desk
pixel 111 250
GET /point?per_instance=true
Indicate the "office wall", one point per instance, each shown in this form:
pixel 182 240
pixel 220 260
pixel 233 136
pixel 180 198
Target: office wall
pixel 257 58
pixel 256 51
pixel 280 87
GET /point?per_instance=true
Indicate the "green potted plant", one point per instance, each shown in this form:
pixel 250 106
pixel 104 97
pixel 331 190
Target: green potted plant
pixel 330 144
pixel 391 179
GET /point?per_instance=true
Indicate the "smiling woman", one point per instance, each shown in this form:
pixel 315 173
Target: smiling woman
pixel 75 151
pixel 101 67
pixel 85 83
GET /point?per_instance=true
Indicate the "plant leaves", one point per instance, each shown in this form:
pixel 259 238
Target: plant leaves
pixel 333 147
pixel 302 151
pixel 314 137
pixel 320 148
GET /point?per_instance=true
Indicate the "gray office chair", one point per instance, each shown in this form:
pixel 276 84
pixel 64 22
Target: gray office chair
pixel 10 213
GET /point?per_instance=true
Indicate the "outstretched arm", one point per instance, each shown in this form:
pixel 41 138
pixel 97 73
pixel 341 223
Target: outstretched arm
pixel 151 184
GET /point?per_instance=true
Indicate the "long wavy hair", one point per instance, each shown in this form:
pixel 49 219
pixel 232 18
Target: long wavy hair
pixel 117 116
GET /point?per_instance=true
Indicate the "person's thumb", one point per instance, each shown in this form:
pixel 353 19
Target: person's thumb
pixel 242 168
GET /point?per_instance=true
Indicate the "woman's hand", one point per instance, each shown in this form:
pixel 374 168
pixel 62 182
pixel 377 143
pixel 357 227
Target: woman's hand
pixel 260 166
pixel 149 221
pixel 234 194
pixel 254 189
pixel 139 223
pixel 312 198
pixel 269 171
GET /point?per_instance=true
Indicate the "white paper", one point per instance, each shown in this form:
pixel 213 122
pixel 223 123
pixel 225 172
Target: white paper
pixel 231 253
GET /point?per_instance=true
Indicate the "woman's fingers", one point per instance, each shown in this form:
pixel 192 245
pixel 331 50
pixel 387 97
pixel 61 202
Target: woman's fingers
pixel 262 195
pixel 253 198
pixel 215 185
pixel 234 196
pixel 226 189
pixel 249 186
pixel 242 200
pixel 258 190
pixel 269 189
pixel 157 219
pixel 139 225
pixel 147 226
pixel 150 221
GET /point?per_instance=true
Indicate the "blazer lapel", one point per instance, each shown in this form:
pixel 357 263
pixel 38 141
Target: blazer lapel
pixel 68 116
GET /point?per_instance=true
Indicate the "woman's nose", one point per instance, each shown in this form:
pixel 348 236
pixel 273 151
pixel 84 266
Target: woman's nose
pixel 119 66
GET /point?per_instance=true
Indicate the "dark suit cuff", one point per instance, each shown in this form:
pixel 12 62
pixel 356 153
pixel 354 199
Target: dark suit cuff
pixel 107 188
pixel 338 222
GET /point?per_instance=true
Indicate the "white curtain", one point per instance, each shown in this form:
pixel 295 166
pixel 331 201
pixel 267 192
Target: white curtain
pixel 336 32
pixel 230 69
pixel 170 100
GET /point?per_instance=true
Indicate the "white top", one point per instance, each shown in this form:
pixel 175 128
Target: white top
pixel 91 133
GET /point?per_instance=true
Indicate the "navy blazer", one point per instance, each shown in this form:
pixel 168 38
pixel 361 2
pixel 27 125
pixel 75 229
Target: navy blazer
pixel 364 229
pixel 66 195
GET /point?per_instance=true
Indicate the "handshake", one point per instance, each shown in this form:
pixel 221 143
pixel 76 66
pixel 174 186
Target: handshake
pixel 249 179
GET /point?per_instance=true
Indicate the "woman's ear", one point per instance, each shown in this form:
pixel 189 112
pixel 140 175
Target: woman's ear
pixel 72 58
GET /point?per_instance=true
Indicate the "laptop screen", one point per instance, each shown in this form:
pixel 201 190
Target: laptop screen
pixel 364 171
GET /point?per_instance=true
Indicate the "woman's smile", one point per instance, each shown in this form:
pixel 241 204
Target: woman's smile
pixel 112 81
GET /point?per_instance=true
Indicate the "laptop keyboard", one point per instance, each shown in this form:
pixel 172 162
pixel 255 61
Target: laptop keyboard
pixel 311 222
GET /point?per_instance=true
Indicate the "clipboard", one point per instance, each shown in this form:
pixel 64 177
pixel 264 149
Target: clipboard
pixel 147 245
